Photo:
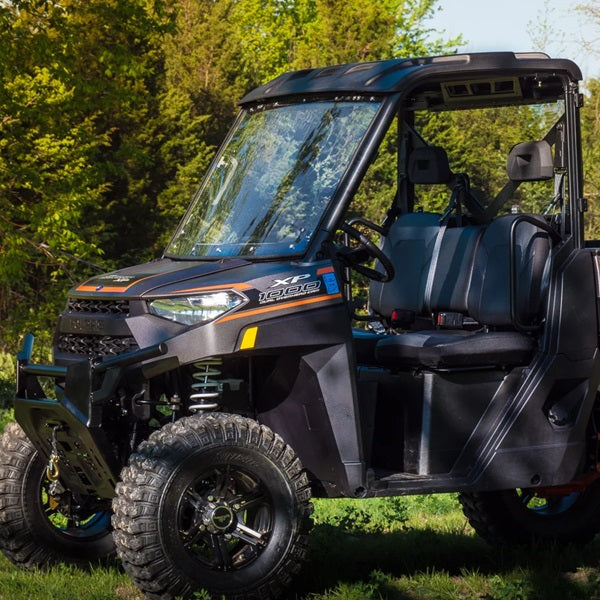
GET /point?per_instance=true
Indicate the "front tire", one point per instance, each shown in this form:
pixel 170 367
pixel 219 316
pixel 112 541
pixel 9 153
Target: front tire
pixel 517 517
pixel 34 533
pixel 214 502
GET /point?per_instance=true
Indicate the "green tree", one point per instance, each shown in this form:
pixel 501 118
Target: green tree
pixel 217 52
pixel 77 84
pixel 113 52
pixel 590 134
pixel 47 177
pixel 338 31
pixel 478 143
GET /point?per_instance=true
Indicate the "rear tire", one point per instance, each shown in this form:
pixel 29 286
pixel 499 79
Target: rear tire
pixel 213 502
pixel 33 531
pixel 517 517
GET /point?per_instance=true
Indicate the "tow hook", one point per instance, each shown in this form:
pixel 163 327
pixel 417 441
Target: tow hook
pixel 53 470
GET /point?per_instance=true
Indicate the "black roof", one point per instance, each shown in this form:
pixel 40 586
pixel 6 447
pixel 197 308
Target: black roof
pixel 391 76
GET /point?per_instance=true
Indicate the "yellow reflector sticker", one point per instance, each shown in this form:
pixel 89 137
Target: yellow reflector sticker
pixel 249 338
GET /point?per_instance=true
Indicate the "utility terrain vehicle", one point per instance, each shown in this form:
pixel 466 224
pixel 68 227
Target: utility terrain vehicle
pixel 203 398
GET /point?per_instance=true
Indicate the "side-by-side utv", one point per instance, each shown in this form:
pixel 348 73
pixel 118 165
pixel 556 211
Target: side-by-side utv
pixel 201 399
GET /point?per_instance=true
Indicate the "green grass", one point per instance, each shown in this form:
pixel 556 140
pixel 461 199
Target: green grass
pixel 434 554
pixel 397 549
pixel 417 548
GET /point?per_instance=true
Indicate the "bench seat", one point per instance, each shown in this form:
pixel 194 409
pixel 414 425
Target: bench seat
pixel 455 349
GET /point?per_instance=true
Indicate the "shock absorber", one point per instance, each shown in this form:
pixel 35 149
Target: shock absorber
pixel 206 390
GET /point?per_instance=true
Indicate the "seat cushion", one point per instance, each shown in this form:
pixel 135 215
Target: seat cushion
pixel 453 349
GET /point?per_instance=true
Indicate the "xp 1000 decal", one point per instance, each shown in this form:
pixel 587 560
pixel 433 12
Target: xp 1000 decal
pixel 289 292
pixel 321 281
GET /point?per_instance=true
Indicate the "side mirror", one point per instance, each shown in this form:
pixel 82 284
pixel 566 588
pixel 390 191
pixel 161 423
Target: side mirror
pixel 530 161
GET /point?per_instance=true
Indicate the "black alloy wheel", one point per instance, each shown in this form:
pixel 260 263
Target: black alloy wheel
pixel 213 502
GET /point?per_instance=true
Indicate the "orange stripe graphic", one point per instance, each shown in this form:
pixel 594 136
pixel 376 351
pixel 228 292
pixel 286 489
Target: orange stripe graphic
pixel 324 270
pixel 111 288
pixel 224 286
pixel 108 288
pixel 103 288
pixel 286 305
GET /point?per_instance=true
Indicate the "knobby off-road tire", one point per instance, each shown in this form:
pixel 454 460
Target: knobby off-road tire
pixel 516 517
pixel 33 532
pixel 214 502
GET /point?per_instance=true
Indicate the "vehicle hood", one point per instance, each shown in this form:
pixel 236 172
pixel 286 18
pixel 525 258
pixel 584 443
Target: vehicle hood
pixel 157 277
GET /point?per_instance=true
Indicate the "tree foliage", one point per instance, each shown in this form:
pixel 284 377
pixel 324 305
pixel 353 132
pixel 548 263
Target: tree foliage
pixel 590 133
pixel 77 93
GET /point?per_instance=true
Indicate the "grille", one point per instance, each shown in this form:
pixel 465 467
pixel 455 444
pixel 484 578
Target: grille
pixel 96 345
pixel 103 307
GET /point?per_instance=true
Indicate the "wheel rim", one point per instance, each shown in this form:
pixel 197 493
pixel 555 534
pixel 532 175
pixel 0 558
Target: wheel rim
pixel 546 506
pixel 86 525
pixel 225 518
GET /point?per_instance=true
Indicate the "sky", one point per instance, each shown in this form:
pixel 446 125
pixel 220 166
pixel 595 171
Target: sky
pixel 491 25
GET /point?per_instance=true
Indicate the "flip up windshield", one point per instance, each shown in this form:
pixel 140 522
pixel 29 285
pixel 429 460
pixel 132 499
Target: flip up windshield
pixel 271 182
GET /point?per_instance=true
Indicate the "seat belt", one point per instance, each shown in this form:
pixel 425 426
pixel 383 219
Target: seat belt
pixel 435 256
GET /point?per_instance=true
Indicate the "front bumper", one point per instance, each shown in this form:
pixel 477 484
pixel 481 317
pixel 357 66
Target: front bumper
pixel 88 462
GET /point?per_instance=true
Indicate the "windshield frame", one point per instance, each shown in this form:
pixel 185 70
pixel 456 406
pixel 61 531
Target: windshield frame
pixel 346 176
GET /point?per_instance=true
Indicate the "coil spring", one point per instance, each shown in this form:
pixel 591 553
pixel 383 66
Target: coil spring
pixel 206 390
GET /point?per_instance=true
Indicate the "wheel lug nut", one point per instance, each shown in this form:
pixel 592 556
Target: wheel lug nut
pixel 210 498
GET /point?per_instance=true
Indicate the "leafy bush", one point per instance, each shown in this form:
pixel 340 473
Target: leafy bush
pixel 375 515
pixel 438 504
pixel 6 416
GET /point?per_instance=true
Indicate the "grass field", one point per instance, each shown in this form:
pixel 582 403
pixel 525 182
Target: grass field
pixel 396 548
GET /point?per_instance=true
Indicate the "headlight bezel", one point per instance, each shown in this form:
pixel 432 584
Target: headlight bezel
pixel 198 308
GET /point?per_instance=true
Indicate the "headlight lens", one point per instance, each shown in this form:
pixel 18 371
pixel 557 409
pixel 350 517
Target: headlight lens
pixel 196 309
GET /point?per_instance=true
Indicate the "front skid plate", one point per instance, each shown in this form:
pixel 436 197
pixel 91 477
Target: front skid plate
pixel 86 462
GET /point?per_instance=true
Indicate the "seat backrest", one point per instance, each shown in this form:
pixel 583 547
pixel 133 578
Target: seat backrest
pixel 453 268
pixel 410 241
pixel 409 245
pixel 429 165
pixel 489 296
pixel 530 161
pixel 433 266
pixel 466 269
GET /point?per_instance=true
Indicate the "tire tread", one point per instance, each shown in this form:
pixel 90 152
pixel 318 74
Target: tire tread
pixel 18 539
pixel 136 505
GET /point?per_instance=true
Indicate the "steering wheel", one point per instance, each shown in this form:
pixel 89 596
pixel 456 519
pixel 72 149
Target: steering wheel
pixel 367 249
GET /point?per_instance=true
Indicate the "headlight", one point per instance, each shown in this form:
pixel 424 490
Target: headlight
pixel 195 309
